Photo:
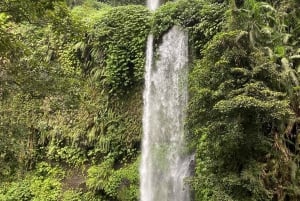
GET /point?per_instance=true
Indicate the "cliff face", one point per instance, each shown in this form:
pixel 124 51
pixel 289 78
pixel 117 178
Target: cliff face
pixel 71 98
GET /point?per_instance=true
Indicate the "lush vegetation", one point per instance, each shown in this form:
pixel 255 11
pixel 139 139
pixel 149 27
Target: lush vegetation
pixel 71 102
pixel 244 106
pixel 71 81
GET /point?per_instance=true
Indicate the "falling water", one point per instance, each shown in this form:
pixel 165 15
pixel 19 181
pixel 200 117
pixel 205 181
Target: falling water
pixel 164 164
pixel 153 4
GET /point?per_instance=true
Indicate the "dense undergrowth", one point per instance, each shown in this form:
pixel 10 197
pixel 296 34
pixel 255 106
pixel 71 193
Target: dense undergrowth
pixel 71 80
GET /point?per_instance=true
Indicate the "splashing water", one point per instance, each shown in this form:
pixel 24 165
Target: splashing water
pixel 164 164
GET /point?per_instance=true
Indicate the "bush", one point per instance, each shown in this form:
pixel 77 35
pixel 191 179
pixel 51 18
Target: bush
pixel 44 184
pixel 121 184
pixel 120 37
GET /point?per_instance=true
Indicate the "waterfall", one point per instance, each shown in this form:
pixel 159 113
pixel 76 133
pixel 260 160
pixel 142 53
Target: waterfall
pixel 164 163
pixel 153 4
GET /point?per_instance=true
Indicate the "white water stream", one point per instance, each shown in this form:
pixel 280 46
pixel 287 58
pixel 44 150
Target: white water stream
pixel 153 4
pixel 164 164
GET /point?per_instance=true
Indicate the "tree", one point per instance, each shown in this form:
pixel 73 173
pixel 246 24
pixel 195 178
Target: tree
pixel 242 109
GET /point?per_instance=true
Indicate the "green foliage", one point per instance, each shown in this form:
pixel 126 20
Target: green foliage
pixel 98 175
pixel 201 19
pixel 89 13
pixel 43 185
pixel 27 9
pixel 72 195
pixel 123 2
pixel 121 37
pixel 70 92
pixel 121 184
pixel 16 191
pixel 240 109
pixel 29 82
pixel 229 106
pixel 60 113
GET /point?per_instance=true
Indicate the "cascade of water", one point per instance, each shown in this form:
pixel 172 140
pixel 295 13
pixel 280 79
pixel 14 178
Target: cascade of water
pixel 164 165
pixel 153 4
